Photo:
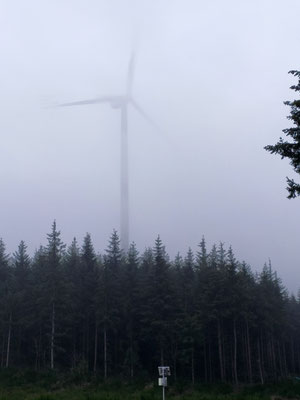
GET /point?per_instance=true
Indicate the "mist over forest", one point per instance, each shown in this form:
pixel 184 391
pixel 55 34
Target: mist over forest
pixel 169 131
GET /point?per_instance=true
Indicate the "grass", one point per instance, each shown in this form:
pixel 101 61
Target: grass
pixel 29 385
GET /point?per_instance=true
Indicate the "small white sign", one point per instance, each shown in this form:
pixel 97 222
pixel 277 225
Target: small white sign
pixel 162 381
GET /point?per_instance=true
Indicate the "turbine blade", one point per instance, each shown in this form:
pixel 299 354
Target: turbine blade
pixel 144 114
pixel 105 99
pixel 130 74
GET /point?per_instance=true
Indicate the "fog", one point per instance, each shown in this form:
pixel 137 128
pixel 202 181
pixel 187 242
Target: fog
pixel 212 74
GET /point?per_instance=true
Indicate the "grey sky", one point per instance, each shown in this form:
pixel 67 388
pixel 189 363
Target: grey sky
pixel 213 74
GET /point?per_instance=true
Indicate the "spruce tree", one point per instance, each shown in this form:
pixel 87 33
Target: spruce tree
pixel 109 304
pixel 4 269
pixel 158 304
pixel 130 294
pixel 201 257
pixel 21 290
pixel 38 324
pixel 190 326
pixel 6 303
pixel 291 148
pixel 89 279
pixel 74 300
pixel 54 286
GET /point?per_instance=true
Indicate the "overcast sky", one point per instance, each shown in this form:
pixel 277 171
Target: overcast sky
pixel 213 75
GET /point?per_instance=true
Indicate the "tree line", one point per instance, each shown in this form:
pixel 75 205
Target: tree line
pixel 207 315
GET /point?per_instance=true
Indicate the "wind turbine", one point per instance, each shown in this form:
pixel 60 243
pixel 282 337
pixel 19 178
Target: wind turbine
pixel 121 102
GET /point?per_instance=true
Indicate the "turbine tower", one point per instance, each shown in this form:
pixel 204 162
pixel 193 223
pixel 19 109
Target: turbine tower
pixel 121 102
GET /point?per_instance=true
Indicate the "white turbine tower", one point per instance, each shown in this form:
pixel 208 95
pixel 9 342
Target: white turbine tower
pixel 121 102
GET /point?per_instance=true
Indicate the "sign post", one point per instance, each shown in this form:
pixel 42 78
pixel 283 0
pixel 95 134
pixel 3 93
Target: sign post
pixel 163 380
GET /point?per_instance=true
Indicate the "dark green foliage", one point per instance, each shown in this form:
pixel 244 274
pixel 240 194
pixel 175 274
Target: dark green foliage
pixel 4 269
pixel 202 259
pixel 109 305
pixel 26 385
pixel 158 306
pixel 131 297
pixel 291 148
pixel 89 274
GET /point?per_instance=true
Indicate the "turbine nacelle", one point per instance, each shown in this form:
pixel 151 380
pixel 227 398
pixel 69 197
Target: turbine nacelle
pixel 119 102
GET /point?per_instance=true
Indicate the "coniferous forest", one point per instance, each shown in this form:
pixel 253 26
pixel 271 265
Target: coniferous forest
pixel 205 314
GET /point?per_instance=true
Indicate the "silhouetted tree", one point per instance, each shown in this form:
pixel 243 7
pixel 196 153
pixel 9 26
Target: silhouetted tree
pixel 291 149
